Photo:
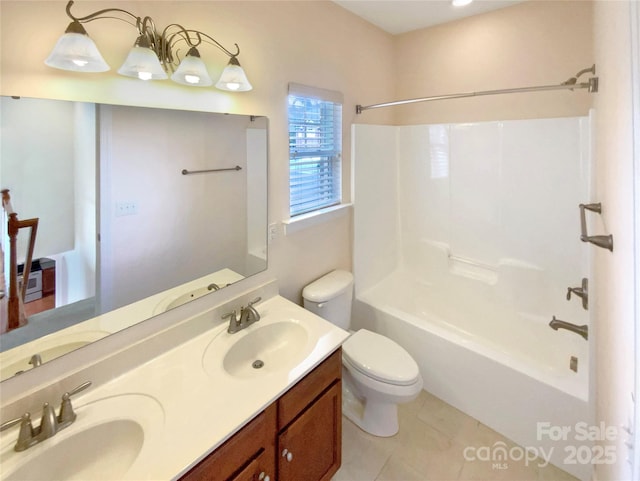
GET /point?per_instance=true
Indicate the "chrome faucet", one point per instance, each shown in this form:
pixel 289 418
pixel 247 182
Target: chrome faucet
pixel 582 292
pixel 556 324
pixel 50 424
pixel 36 360
pixel 248 316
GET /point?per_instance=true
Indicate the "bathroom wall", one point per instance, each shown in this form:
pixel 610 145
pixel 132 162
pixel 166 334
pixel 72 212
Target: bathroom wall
pixel 46 179
pixel 45 168
pixel 279 44
pixel 528 44
pixel 185 227
pixel 614 295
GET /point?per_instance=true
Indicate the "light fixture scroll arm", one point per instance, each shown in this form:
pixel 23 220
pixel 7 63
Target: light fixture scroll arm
pixel 98 14
pixel 169 40
pixel 193 38
pixel 213 41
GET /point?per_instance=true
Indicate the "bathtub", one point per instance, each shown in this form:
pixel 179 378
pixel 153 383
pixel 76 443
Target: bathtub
pixel 502 365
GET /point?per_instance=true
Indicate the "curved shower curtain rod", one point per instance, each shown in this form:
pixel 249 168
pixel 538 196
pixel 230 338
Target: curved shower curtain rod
pixel 570 84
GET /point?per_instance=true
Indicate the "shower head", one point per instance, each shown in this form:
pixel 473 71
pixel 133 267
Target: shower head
pixel 574 80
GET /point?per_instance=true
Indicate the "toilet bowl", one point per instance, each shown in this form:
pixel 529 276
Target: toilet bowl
pixel 378 373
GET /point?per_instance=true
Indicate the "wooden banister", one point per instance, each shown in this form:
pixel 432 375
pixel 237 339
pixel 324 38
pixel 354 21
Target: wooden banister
pixel 16 316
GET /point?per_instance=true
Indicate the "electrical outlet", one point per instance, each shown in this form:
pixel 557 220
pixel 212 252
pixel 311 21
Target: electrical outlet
pixel 273 232
pixel 126 208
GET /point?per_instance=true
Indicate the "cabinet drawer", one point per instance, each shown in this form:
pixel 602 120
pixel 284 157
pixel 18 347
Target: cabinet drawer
pixel 309 388
pixel 262 468
pixel 254 441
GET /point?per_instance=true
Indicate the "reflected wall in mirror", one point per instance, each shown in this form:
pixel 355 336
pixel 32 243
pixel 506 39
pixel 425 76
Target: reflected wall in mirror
pixel 126 234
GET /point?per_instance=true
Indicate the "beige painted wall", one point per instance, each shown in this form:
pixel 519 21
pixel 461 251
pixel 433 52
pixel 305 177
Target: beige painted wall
pixel 46 167
pixel 311 42
pixel 614 292
pixel 528 44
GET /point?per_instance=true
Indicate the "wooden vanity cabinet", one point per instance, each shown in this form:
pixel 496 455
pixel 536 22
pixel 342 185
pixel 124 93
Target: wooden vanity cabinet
pixel 310 447
pixel 245 456
pixel 310 424
pixel 305 425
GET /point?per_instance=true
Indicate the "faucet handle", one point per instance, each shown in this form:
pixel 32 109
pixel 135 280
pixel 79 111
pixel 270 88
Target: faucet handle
pixel 13 422
pixel 255 301
pixel 232 316
pixel 582 292
pixel 252 314
pixel 234 322
pixel 67 414
pixel 26 433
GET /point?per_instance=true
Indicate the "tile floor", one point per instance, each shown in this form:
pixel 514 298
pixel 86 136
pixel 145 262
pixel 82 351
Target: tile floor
pixel 429 447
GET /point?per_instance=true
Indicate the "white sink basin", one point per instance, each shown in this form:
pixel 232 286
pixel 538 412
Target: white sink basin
pixel 266 348
pixel 112 438
pixel 192 290
pixel 75 457
pixel 277 343
pixel 189 296
pixel 49 347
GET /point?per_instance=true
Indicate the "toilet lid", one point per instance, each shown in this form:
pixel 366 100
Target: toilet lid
pixel 381 358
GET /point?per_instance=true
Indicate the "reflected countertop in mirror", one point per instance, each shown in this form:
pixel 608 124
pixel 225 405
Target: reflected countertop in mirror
pixel 130 235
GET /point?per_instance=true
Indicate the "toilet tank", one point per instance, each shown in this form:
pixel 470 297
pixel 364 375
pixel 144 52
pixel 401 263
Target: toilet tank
pixel 330 297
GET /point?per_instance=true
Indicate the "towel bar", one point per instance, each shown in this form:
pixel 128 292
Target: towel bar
pixel 187 172
pixel 604 241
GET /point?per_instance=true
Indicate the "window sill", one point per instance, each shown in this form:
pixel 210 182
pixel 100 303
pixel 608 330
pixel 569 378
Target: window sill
pixel 317 217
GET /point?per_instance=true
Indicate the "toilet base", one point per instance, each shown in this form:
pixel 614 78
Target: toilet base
pixel 376 418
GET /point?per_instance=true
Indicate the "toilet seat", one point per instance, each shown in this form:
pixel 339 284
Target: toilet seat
pixel 380 358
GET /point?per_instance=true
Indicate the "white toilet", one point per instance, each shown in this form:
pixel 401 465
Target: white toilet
pixel 378 374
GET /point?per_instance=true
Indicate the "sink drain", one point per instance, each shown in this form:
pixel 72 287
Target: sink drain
pixel 257 364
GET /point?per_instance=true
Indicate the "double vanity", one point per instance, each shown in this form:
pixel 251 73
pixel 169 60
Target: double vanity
pixel 263 403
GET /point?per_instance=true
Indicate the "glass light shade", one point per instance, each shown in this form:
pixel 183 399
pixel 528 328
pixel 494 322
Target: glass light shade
pixel 460 3
pixel 142 63
pixel 76 52
pixel 233 78
pixel 192 71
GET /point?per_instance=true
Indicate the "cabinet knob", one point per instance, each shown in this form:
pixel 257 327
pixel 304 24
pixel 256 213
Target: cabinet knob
pixel 263 477
pixel 287 454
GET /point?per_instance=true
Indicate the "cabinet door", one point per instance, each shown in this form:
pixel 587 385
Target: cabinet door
pixel 310 448
pixel 48 281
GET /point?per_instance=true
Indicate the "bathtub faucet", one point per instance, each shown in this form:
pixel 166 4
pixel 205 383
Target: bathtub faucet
pixel 556 324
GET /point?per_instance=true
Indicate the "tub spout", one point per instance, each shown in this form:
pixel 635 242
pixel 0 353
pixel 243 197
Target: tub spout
pixel 556 324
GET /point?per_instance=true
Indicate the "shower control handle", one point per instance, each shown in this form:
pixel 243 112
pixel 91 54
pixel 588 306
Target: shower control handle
pixel 582 292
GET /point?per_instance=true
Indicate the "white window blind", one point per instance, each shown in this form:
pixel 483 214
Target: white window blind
pixel 315 148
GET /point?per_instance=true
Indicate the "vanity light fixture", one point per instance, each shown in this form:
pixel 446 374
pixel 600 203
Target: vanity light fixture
pixel 154 55
pixel 460 3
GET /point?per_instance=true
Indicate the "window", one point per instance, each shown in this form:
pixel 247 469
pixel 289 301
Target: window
pixel 315 148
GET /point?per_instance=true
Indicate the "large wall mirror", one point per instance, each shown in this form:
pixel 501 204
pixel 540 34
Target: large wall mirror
pixel 139 210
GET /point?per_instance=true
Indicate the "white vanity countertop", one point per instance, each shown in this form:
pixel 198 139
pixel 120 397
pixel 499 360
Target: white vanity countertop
pixel 186 409
pixel 60 342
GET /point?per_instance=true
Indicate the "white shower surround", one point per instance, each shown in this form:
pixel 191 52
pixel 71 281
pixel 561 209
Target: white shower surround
pixel 466 238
